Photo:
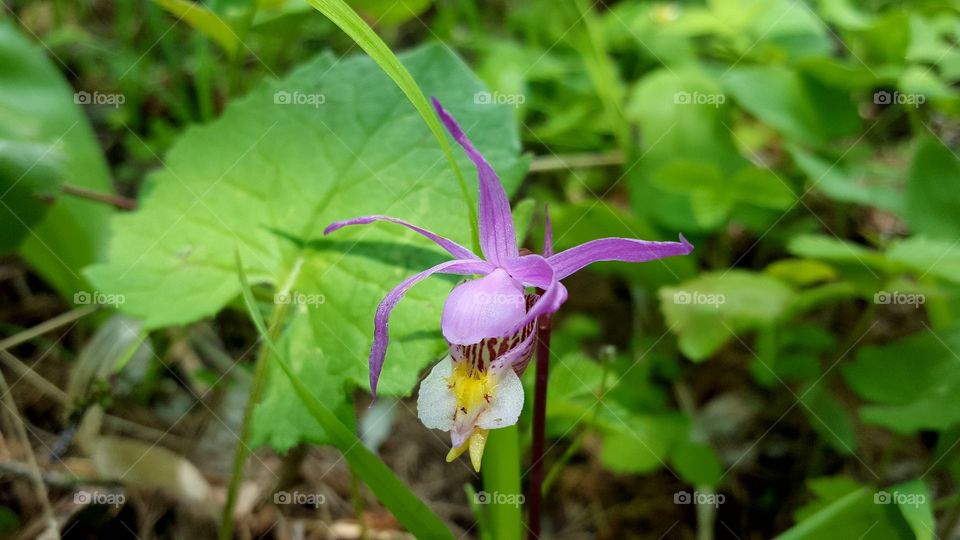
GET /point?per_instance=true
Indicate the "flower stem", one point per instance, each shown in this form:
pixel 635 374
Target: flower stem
pixel 242 452
pixel 539 426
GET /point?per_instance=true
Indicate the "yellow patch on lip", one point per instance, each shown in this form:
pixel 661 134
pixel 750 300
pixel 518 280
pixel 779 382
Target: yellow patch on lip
pixel 472 388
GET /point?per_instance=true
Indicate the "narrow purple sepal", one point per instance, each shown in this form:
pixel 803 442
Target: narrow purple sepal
pixel 381 321
pixel 615 249
pixel 450 246
pixel 498 240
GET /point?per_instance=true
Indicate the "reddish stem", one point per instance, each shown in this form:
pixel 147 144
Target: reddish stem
pixel 539 426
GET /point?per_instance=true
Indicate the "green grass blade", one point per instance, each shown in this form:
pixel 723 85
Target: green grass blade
pixel 392 492
pixel 360 32
pixel 204 20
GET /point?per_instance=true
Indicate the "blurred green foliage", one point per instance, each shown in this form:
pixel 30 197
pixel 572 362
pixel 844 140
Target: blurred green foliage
pixel 807 149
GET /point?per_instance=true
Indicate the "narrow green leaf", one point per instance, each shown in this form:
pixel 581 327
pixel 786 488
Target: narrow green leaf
pixel 203 20
pixel 838 510
pixel 501 493
pixel 392 492
pixel 913 500
pixel 360 32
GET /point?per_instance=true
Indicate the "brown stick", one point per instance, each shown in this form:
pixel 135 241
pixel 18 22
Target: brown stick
pixel 123 203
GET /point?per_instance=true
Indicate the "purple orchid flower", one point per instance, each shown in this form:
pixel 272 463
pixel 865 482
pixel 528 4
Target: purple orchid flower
pixel 489 321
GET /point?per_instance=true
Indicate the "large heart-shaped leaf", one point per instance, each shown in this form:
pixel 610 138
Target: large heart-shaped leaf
pixel 334 140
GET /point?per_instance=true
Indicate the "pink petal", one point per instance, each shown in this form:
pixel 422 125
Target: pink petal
pixel 483 308
pixel 536 271
pixel 497 237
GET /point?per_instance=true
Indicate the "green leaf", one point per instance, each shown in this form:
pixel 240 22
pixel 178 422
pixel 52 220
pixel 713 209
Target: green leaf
pixel 203 20
pixel 39 108
pixel 909 396
pixel 575 382
pixel 913 499
pixel 802 109
pixel 501 476
pixel 640 443
pixel 801 271
pixel 710 310
pixel 829 419
pixel 833 249
pixel 28 172
pixel 844 509
pixel 683 118
pixel 849 182
pixel 713 196
pixel 270 174
pixel 282 422
pixel 392 492
pixel 696 462
pixel 763 188
pixel 927 256
pixel 933 192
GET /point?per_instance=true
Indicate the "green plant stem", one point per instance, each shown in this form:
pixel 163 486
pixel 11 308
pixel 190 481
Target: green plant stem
pixel 501 483
pixel 242 451
pixel 706 513
pixel 357 503
pixel 235 64
pixel 203 82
